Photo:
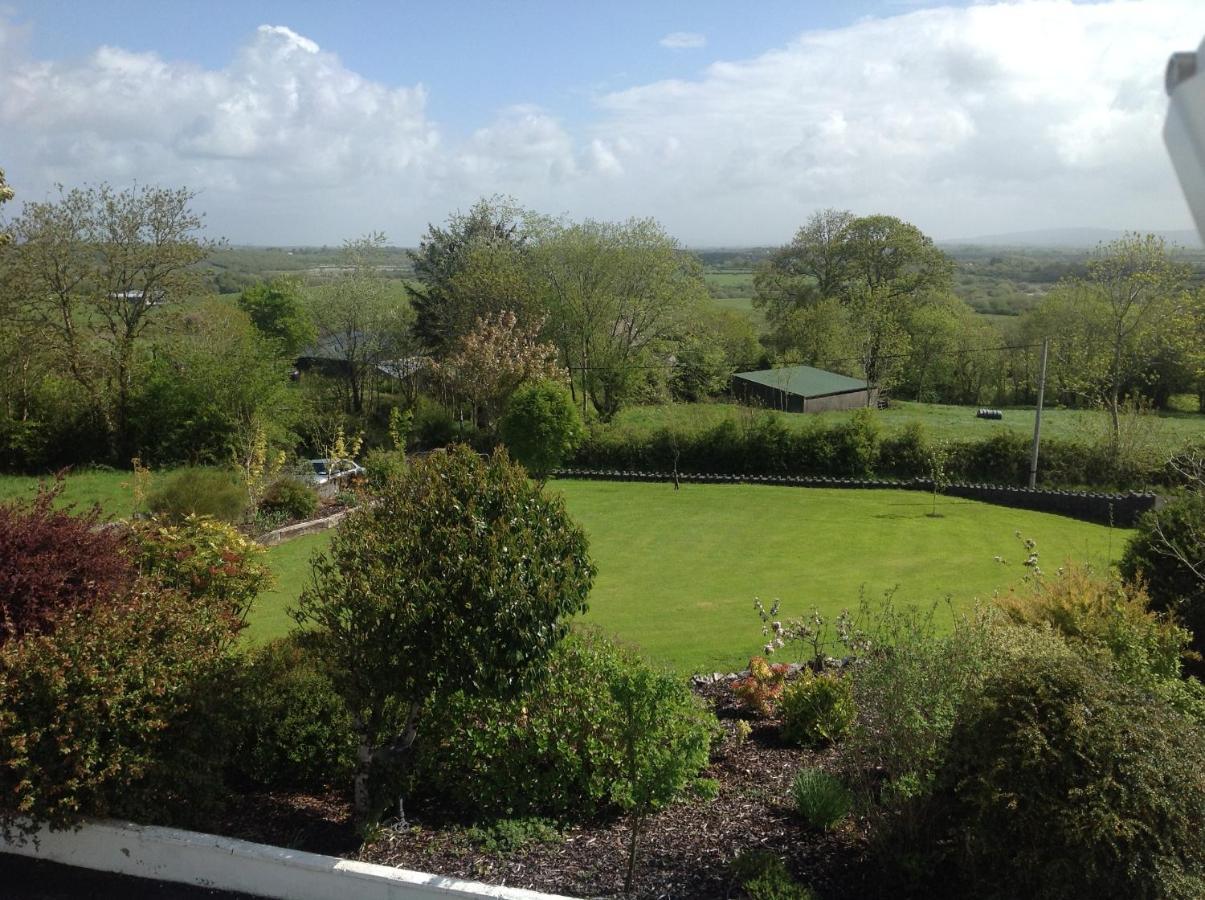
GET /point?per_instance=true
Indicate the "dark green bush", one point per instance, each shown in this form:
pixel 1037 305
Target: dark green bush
pixel 383 466
pixel 291 498
pixel 763 876
pixel 296 730
pixel 433 426
pixel 506 836
pixel 1062 782
pixel 126 709
pixel 541 426
pixel 198 491
pixel 821 799
pixel 816 709
pixel 905 454
pixel 1167 545
pixel 554 751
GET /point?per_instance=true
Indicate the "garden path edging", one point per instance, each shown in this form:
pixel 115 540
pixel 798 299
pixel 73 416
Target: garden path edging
pixel 280 535
pixel 212 861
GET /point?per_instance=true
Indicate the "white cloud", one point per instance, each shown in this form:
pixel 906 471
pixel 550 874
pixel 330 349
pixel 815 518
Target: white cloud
pixel 978 120
pixel 683 40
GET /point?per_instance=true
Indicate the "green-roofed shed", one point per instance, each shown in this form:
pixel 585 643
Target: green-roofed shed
pixel 801 389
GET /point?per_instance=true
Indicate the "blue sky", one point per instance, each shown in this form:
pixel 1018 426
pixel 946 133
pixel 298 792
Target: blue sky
pixel 309 122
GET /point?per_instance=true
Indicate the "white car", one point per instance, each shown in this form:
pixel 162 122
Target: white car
pixel 324 471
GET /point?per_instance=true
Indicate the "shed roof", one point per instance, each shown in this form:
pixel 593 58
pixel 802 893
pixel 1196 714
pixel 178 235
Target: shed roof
pixel 804 381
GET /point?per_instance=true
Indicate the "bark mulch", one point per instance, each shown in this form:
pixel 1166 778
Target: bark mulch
pixel 685 850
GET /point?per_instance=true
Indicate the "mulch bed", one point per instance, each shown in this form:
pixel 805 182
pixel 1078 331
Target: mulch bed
pixel 685 850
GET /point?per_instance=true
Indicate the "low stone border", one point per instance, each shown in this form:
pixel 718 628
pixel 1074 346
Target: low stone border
pixel 207 860
pixel 280 535
pixel 1123 509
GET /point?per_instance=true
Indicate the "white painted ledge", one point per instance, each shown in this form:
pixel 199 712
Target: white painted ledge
pixel 207 860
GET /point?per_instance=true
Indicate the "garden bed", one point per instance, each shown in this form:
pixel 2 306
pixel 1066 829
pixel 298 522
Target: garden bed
pixel 686 850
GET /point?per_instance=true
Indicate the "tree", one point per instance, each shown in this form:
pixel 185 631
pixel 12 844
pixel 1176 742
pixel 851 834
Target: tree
pixel 617 295
pixel 494 359
pixel 459 578
pixel 878 268
pixel 475 266
pixel 541 427
pixel 98 267
pixel 360 325
pixel 6 194
pixel 277 308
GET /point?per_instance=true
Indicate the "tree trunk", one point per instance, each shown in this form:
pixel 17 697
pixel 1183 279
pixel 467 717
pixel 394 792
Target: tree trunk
pixel 627 882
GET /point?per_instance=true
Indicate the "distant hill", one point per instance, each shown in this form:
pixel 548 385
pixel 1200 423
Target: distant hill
pixel 1067 238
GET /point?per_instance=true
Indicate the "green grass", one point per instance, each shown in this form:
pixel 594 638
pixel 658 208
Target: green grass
pixel 730 279
pixel 678 570
pixel 109 488
pixel 947 422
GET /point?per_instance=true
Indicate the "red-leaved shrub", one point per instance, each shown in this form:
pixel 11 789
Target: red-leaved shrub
pixel 52 560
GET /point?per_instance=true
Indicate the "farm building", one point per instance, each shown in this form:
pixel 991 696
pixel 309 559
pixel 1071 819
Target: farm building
pixel 801 389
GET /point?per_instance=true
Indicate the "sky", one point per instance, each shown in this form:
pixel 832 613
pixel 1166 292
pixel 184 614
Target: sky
pixel 729 122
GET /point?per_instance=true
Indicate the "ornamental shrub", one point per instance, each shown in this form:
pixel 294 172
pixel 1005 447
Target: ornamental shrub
pixel 1167 546
pixel 53 561
pixel 198 491
pixel 1062 782
pixel 554 751
pixel 816 710
pixel 760 689
pixel 123 710
pixel 296 731
pixel 460 577
pixel 206 560
pixel 290 498
pixel 541 426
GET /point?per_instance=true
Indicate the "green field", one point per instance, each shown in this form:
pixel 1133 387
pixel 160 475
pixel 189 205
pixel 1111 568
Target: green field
pixel 947 422
pixel 678 570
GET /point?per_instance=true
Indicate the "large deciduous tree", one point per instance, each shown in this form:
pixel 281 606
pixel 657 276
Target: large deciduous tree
pixel 96 268
pixel 616 293
pixel 876 269
pixel 460 577
pixel 360 324
pixel 278 309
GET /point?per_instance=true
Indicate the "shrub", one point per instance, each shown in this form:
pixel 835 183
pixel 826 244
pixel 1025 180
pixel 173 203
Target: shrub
pixel 507 836
pixel 291 498
pixel 760 689
pixel 124 710
pixel 383 466
pixel 296 731
pixel 52 561
pixel 204 559
pixel 816 709
pixel 433 425
pixel 820 799
pixel 460 577
pixel 763 876
pixel 1167 553
pixel 856 444
pixel 553 751
pixel 199 492
pixel 905 454
pixel 1060 782
pixel 541 426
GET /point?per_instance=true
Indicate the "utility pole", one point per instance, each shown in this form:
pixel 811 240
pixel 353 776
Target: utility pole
pixel 1037 418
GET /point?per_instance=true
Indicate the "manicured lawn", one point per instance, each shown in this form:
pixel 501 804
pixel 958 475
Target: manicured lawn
pixel 678 570
pixel 942 421
pixel 290 564
pixel 85 487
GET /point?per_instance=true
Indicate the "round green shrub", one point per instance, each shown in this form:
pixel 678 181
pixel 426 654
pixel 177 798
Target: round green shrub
pixel 1158 554
pixel 816 709
pixel 199 491
pixel 554 751
pixel 291 498
pixel 1062 782
pixel 541 426
pixel 297 731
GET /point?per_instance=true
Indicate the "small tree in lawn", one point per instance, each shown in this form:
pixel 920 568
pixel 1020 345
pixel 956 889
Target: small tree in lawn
pixel 541 427
pixel 938 455
pixel 459 578
pixel 663 746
